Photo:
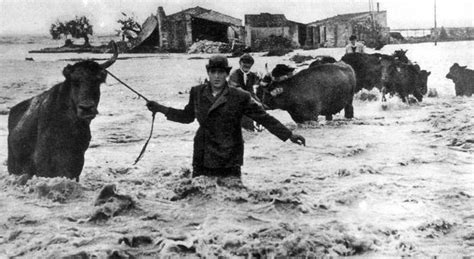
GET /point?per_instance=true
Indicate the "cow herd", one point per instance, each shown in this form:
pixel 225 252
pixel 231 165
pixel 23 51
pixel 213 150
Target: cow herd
pixel 49 133
pixel 327 86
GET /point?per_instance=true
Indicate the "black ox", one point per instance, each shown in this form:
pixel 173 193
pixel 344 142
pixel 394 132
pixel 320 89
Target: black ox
pixel 463 79
pixel 319 90
pixel 367 68
pixel 48 134
pixel 403 79
pixel 393 74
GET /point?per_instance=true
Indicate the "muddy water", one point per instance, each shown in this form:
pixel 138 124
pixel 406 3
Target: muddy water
pixel 396 181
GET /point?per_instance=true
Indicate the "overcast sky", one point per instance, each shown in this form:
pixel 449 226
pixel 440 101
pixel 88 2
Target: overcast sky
pixel 35 16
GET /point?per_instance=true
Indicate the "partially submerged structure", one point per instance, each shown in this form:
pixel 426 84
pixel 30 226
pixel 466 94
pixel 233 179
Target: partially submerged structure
pixel 264 25
pixel 177 32
pixel 335 31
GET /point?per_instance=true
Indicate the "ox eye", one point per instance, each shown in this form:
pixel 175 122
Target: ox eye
pixel 101 76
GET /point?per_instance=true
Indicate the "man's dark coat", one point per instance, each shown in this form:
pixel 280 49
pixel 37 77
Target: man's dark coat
pixel 218 142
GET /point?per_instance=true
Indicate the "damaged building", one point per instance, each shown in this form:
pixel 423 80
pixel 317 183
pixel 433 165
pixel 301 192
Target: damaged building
pixel 264 25
pixel 177 32
pixel 370 27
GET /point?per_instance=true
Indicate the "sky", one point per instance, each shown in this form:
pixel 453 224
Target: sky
pixel 36 16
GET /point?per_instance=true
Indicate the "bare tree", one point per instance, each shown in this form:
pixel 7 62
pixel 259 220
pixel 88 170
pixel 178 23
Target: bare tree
pixel 130 27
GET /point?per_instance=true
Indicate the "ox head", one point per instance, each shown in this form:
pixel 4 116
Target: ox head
pixel 454 71
pixel 401 55
pixel 388 66
pixel 84 79
pixel 423 81
pixel 272 85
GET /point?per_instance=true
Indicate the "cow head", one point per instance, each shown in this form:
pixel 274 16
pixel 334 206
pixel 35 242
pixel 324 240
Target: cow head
pixel 388 66
pixel 83 80
pixel 423 81
pixel 401 55
pixel 273 85
pixel 454 71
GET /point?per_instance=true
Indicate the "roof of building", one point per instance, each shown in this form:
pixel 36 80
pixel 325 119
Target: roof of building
pixel 266 20
pixel 344 17
pixel 207 14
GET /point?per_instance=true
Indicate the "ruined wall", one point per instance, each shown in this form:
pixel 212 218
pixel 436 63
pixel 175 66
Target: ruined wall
pixel 293 34
pixel 177 35
pixel 188 35
pixel 162 27
pixel 176 31
pixel 254 33
pixel 264 32
pixel 235 33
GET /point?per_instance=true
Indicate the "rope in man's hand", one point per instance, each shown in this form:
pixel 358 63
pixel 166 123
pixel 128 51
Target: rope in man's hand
pixel 142 152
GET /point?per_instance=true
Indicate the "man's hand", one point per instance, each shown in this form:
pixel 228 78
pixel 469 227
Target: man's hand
pixel 156 107
pixel 295 138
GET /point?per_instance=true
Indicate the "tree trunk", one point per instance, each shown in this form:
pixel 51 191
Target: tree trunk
pixel 86 41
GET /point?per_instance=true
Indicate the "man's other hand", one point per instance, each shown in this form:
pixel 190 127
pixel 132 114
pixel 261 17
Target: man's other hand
pixel 298 139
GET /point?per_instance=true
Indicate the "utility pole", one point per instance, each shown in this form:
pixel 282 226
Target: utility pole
pixel 435 26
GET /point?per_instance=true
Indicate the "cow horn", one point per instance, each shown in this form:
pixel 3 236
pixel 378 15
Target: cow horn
pixel 112 60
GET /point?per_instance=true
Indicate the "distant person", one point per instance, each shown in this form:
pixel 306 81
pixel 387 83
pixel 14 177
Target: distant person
pixel 243 77
pixel 218 143
pixel 354 46
pixel 248 81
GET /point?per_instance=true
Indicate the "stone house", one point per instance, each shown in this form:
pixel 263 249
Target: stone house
pixel 263 25
pixel 335 31
pixel 178 31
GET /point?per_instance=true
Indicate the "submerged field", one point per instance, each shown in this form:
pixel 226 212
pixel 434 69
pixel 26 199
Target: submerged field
pixel 391 182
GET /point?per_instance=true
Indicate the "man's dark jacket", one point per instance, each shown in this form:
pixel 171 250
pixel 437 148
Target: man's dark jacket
pixel 218 142
pixel 236 79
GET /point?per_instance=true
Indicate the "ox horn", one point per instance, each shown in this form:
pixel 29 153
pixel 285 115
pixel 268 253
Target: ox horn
pixel 112 60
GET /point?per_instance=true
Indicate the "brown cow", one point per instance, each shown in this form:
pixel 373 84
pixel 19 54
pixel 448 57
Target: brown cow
pixel 463 79
pixel 319 90
pixel 403 79
pixel 48 134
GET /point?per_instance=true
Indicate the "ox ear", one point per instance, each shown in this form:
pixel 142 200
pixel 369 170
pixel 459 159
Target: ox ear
pixel 463 67
pixel 429 73
pixel 67 71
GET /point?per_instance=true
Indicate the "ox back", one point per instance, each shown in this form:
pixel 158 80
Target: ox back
pixel 367 69
pixel 319 90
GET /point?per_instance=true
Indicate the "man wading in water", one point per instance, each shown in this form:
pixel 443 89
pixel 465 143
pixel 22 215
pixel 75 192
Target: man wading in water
pixel 218 143
pixel 354 46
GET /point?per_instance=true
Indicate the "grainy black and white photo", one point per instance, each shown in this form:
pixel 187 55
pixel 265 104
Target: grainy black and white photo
pixel 236 129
